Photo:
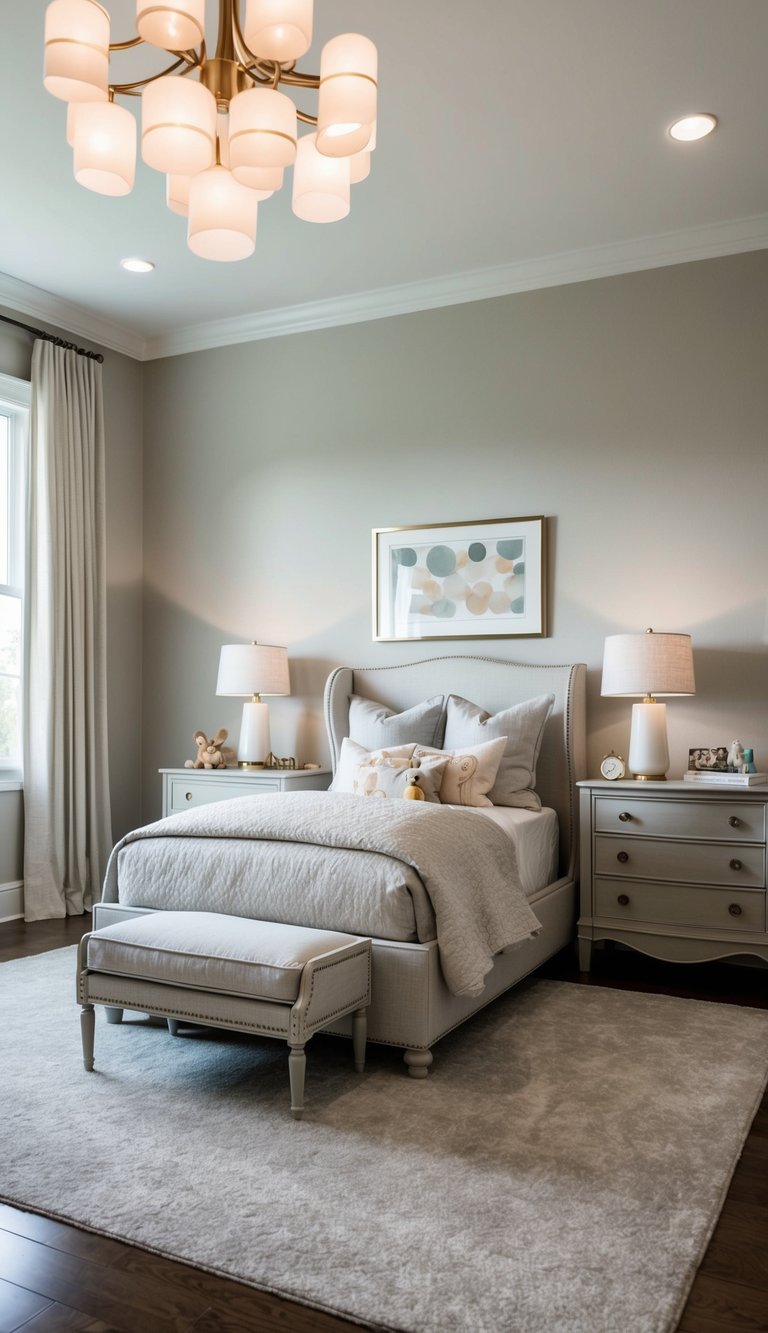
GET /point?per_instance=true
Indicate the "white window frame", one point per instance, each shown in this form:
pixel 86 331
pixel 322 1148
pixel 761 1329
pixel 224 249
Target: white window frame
pixel 15 396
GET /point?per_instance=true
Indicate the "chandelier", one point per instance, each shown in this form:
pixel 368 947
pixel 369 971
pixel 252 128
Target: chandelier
pixel 218 126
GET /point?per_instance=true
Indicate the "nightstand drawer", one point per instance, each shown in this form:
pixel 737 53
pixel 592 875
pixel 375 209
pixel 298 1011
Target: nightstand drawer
pixel 687 862
pixel 678 905
pixel 185 795
pixel 722 821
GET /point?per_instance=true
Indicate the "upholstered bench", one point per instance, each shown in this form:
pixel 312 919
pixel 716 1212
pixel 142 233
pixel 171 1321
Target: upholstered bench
pixel 261 977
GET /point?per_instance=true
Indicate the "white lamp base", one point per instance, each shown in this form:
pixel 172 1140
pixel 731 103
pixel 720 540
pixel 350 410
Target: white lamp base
pixel 253 746
pixel 648 749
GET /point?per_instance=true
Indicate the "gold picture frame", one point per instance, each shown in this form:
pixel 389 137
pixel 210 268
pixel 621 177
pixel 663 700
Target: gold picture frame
pixel 484 579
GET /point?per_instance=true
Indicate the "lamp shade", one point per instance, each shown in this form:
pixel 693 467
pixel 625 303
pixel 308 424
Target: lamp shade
pixel 346 107
pixel 321 185
pixel 222 216
pixel 178 119
pixel 262 129
pixel 278 29
pixel 76 50
pixel 174 25
pixel 253 668
pixel 647 665
pixel 104 145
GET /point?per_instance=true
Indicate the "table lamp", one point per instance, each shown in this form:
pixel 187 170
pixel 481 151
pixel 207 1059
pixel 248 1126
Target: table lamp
pixel 253 669
pixel 647 665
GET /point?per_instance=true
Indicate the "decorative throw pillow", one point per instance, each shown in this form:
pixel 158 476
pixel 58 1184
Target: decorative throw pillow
pixel 388 778
pixel 374 725
pixel 470 772
pixel 352 755
pixel 523 727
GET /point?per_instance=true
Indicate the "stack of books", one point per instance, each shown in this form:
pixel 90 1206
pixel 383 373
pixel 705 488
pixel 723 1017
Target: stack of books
pixel 713 775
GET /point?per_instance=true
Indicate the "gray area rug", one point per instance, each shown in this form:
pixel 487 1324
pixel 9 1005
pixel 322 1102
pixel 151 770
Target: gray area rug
pixel 560 1171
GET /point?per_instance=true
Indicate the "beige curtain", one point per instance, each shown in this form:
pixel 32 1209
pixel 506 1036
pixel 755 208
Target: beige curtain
pixel 67 830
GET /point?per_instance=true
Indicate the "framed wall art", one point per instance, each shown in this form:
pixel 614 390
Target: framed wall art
pixel 478 580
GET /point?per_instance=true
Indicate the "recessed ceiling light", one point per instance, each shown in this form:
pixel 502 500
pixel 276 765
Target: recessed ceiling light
pixel 693 127
pixel 137 265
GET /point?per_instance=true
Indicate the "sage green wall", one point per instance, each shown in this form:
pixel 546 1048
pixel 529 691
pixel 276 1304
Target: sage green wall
pixel 631 410
pixel 122 380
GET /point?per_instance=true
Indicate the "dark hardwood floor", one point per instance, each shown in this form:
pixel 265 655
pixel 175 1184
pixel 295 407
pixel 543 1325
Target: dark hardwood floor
pixel 55 1277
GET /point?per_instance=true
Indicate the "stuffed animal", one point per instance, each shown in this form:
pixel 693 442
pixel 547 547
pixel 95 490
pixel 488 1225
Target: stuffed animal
pixel 413 791
pixel 211 753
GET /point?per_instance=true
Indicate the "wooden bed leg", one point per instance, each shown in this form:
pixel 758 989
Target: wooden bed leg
pixel 359 1034
pixel 418 1063
pixel 87 1029
pixel 297 1064
pixel 113 1015
pixel 173 1026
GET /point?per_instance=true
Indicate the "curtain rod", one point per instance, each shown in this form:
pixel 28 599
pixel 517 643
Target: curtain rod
pixel 52 338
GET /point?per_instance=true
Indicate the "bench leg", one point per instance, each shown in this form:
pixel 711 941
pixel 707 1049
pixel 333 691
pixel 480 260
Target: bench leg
pixel 113 1015
pixel 359 1034
pixel 297 1065
pixel 173 1026
pixel 87 1029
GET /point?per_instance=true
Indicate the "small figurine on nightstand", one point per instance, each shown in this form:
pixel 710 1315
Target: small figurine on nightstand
pixel 749 760
pixel 736 757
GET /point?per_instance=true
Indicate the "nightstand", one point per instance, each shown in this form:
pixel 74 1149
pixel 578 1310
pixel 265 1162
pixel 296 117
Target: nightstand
pixel 184 788
pixel 674 870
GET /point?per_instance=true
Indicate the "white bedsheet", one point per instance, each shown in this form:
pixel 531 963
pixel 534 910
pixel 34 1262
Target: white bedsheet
pixel 535 834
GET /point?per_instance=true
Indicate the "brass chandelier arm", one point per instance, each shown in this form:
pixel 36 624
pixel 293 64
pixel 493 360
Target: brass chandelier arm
pixel 190 59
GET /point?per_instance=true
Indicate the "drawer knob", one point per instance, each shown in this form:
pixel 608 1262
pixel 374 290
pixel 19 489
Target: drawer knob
pixel 734 821
pixel 735 864
pixel 188 796
pixel 624 816
pixel 623 900
pixel 734 909
pixel 624 857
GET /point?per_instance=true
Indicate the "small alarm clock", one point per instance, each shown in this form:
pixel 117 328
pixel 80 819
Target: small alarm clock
pixel 613 767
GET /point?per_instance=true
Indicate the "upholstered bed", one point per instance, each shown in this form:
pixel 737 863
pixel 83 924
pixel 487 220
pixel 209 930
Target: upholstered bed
pixel 443 947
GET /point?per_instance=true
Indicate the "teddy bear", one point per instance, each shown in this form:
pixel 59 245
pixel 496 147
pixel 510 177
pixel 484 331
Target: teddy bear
pixel 211 753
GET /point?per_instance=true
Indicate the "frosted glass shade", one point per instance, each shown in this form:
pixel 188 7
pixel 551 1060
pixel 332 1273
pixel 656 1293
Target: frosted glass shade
pixel 178 120
pixel 72 118
pixel 262 129
pixel 177 194
pixel 359 167
pixel 648 755
pixel 261 181
pixel 647 664
pixel 76 50
pixel 104 148
pixel 320 184
pixel 278 29
pixel 222 218
pixel 253 668
pixel 346 107
pixel 175 25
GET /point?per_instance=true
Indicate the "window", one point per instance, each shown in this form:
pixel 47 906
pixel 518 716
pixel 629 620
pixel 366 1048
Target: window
pixel 14 413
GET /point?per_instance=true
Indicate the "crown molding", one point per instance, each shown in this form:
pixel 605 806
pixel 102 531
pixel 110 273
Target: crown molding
pixel 72 320
pixel 678 247
pixel 602 261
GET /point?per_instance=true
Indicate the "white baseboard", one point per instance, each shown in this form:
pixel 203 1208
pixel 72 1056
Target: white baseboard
pixel 12 901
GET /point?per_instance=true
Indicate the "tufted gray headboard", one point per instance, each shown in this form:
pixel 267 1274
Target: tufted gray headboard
pixel 492 684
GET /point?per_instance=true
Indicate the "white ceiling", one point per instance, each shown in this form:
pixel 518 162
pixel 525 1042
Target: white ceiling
pixel 520 143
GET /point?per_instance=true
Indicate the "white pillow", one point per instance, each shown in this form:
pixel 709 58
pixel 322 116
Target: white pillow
pixel 522 725
pixel 388 778
pixel 374 725
pixel 352 755
pixel 470 772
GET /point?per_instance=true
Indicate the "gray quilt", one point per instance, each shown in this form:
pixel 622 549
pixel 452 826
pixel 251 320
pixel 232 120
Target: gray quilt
pixel 459 871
